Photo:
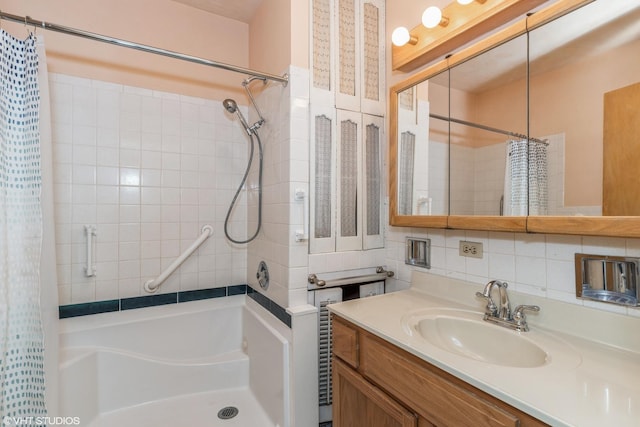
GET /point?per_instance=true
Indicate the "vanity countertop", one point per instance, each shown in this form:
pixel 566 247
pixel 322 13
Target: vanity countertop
pixel 592 378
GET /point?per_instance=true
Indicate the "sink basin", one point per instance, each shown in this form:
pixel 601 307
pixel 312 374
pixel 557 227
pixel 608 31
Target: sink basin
pixel 466 334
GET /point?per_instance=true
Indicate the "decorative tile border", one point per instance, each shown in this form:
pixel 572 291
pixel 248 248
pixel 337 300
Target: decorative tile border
pixel 89 308
pixel 270 305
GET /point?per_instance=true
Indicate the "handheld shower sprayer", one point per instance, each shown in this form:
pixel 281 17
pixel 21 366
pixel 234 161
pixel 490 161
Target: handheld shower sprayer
pixel 231 106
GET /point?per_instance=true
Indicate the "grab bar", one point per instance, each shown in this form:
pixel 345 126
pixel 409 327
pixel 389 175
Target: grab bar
pixel 153 284
pixel 90 269
pixel 380 274
pixel 301 195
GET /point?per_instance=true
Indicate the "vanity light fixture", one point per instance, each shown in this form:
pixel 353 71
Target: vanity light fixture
pixel 444 30
pixel 432 17
pixel 401 36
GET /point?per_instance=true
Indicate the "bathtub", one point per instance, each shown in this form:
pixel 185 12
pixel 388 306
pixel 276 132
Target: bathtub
pixel 177 364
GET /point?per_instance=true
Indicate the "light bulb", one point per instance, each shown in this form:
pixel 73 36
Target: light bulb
pixel 400 36
pixel 465 1
pixel 432 17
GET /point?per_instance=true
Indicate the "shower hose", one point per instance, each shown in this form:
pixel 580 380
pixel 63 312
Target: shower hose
pixel 242 183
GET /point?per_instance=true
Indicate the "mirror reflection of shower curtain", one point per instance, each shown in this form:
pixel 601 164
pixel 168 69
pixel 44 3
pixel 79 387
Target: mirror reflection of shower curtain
pixel 526 179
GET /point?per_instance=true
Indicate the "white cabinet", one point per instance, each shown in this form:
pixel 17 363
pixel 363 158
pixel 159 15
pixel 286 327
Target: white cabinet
pixel 347 124
pixel 359 55
pixel 346 181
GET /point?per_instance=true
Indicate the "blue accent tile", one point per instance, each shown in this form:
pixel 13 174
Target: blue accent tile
pixel 200 294
pixel 260 299
pixel 280 313
pixel 74 310
pixel 273 307
pixel 148 301
pixel 237 290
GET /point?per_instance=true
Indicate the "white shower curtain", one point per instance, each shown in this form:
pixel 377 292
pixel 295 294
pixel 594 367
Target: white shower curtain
pixel 525 180
pixel 22 355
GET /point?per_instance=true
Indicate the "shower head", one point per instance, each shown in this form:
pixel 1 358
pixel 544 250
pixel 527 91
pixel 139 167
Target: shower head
pixel 231 106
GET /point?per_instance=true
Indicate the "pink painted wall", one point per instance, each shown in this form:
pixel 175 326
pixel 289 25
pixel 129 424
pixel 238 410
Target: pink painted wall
pixel 279 36
pixel 160 23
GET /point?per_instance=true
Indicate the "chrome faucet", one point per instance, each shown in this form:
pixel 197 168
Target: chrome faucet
pixel 502 315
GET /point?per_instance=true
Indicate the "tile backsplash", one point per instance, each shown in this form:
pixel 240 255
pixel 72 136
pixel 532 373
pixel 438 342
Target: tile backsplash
pixel 148 169
pixel 537 264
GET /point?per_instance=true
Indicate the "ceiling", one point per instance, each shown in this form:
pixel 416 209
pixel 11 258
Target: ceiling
pixel 240 10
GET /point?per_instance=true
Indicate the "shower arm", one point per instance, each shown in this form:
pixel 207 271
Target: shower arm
pixel 245 84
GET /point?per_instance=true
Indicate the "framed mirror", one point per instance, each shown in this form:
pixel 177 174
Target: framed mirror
pixel 583 67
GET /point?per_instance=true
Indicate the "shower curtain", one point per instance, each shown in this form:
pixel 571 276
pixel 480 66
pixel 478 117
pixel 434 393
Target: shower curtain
pixel 526 179
pixel 22 353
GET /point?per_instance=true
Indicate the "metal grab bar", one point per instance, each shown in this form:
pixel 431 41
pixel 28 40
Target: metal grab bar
pixel 153 284
pixel 381 274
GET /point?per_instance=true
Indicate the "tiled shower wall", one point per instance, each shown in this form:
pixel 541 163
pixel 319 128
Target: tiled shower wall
pixel 148 169
pixel 285 137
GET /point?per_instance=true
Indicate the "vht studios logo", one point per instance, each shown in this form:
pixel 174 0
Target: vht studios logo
pixel 40 421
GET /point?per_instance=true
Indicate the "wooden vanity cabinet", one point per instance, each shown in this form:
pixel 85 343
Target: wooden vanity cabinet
pixel 377 384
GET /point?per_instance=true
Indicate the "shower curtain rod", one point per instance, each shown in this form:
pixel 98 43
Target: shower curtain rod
pixel 27 20
pixel 490 129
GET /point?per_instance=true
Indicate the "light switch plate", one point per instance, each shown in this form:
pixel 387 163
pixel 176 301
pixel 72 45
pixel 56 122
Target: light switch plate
pixel 470 249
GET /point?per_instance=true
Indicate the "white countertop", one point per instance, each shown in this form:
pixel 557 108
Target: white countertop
pixel 586 382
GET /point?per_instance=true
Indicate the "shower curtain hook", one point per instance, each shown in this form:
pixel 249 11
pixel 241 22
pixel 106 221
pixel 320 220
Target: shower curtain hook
pixel 26 25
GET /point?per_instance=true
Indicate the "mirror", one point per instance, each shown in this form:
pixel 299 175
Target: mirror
pixel 489 127
pixel 423 148
pixel 583 68
pixel 576 62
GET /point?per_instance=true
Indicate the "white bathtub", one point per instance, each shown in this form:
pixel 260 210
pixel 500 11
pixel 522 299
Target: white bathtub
pixel 176 364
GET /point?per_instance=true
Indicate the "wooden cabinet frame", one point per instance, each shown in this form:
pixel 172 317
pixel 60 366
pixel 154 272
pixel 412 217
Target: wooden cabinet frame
pixel 617 226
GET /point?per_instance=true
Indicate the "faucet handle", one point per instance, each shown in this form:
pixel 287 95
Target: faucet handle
pixel 519 318
pixel 518 312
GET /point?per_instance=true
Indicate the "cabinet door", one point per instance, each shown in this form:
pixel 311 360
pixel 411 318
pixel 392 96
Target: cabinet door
pixel 357 403
pixel 322 202
pixel 348 57
pixel 372 215
pixel 349 188
pixel 433 397
pixel 322 53
pixel 372 48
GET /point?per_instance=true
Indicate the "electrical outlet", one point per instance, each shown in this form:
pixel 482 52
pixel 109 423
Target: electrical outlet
pixel 471 249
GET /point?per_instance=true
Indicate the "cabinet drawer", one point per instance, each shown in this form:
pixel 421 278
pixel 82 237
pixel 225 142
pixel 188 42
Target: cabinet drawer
pixel 345 342
pixel 433 397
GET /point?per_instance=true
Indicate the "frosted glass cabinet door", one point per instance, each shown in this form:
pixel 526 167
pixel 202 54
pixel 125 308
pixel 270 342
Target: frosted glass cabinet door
pixel 359 55
pixel 347 54
pixel 372 48
pixel 372 212
pixel 349 188
pixel 322 206
pixel 322 48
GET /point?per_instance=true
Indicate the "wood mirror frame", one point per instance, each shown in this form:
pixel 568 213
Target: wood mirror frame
pixel 616 226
